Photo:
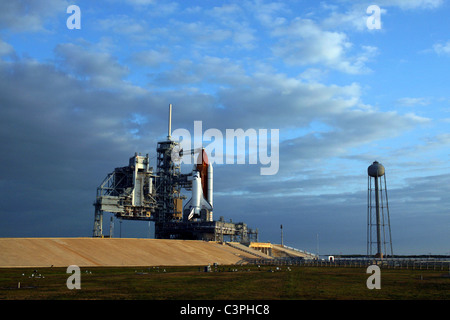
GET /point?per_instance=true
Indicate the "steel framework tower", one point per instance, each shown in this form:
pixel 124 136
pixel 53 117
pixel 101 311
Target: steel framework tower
pixel 136 192
pixel 378 219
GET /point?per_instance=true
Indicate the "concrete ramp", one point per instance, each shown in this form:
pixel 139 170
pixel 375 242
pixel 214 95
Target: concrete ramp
pixel 62 252
pixel 248 250
pixel 283 251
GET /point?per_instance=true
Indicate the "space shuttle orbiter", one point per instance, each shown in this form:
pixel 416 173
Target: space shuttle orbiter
pixel 200 206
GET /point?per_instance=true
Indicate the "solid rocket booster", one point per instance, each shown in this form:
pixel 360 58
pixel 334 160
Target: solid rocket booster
pixel 200 206
pixel 210 184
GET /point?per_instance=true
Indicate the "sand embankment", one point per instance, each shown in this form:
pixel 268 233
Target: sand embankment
pixel 62 252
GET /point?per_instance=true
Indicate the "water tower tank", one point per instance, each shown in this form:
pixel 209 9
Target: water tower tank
pixel 376 169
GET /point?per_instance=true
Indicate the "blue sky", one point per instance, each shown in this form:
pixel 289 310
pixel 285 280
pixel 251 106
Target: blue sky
pixel 75 104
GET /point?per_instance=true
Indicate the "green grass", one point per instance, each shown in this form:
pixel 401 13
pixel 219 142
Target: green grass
pixel 248 283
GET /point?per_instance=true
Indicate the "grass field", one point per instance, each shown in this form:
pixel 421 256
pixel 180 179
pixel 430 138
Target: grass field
pixel 225 283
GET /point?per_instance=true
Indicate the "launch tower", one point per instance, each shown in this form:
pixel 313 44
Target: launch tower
pixel 135 192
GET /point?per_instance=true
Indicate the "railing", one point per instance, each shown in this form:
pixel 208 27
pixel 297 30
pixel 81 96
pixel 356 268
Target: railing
pixel 298 250
pixel 395 263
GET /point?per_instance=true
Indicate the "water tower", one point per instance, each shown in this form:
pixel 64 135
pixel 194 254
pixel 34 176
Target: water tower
pixel 378 221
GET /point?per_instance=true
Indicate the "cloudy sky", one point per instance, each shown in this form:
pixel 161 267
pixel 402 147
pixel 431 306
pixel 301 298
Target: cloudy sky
pixel 76 103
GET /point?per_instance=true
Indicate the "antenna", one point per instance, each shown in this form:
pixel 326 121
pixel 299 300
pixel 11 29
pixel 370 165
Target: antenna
pixel 281 227
pixel 170 122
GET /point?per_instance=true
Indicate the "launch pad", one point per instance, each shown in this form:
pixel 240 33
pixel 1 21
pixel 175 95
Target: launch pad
pixel 207 230
pixel 136 192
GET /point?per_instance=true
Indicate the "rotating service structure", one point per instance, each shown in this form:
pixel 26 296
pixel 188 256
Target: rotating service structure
pixel 137 192
pixel 379 239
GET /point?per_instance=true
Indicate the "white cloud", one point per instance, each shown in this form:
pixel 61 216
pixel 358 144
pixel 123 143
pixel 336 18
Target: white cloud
pixel 6 49
pixel 411 4
pixel 354 18
pixel 350 129
pixel 442 49
pixel 100 68
pixel 208 70
pixel 268 14
pixel 123 24
pixel 303 42
pixel 312 74
pixel 413 101
pixel 234 19
pixel 244 37
pixel 152 57
pixel 30 15
pixel 201 32
pixel 141 2
pixel 225 12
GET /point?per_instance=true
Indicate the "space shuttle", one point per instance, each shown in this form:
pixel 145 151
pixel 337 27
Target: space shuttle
pixel 200 206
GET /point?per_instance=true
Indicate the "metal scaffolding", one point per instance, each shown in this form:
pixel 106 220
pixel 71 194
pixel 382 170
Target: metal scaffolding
pixel 135 192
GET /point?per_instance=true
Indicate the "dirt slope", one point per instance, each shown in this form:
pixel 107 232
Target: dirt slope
pixel 62 252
